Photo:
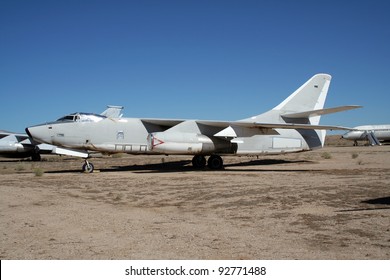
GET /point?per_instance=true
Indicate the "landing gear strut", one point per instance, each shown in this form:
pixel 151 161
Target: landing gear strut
pixel 88 167
pixel 36 157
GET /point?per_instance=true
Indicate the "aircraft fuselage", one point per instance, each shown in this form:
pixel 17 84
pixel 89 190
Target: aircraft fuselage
pixel 382 132
pixel 137 136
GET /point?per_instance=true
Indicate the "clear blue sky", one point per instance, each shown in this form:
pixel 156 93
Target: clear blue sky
pixel 220 60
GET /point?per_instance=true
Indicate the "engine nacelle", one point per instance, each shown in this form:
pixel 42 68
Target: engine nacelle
pixel 11 146
pixel 180 143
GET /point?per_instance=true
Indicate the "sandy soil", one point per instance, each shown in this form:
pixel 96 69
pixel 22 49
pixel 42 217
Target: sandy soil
pixel 332 203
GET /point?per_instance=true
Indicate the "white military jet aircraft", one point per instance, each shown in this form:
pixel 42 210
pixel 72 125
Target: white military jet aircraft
pixel 292 126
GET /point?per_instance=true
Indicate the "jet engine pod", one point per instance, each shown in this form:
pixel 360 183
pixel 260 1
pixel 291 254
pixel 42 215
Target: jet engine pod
pixel 180 143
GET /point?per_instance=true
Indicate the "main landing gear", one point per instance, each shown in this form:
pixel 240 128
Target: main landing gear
pixel 214 162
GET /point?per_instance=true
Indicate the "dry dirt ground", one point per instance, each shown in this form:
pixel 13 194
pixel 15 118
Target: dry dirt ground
pixel 332 203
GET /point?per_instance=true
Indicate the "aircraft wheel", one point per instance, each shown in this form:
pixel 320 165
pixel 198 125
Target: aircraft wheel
pixel 198 161
pixel 215 162
pixel 88 167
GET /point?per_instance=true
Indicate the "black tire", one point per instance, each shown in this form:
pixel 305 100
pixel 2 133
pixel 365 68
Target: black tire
pixel 215 162
pixel 199 161
pixel 87 169
pixel 36 157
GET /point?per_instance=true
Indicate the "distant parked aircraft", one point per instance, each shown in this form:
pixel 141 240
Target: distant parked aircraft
pixel 292 126
pixel 20 145
pixel 374 134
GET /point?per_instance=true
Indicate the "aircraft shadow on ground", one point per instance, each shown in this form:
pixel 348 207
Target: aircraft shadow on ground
pixel 381 201
pixel 267 162
pixel 185 166
pixel 378 201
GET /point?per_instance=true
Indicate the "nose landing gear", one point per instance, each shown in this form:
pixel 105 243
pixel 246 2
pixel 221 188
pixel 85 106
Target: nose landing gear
pixel 88 167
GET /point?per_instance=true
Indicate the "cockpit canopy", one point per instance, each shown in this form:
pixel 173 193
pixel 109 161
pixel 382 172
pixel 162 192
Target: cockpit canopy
pixel 81 117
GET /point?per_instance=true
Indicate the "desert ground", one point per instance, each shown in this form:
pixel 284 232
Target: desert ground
pixel 332 203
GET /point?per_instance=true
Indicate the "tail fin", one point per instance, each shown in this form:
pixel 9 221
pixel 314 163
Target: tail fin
pixel 303 106
pixel 113 111
pixel 310 96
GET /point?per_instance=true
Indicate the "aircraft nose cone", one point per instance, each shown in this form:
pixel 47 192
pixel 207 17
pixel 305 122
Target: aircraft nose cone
pixel 39 133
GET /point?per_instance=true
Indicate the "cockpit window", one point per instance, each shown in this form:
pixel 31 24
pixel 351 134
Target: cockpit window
pixel 81 117
pixel 66 118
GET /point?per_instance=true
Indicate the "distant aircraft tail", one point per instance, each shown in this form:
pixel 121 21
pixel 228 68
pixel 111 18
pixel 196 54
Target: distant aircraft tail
pixel 113 111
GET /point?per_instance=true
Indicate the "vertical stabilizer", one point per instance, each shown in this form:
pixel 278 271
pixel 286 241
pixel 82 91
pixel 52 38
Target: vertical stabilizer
pixel 310 96
pixel 307 98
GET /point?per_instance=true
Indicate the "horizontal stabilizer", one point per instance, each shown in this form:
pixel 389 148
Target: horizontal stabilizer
pixel 315 113
pixel 300 126
pixel 4 133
